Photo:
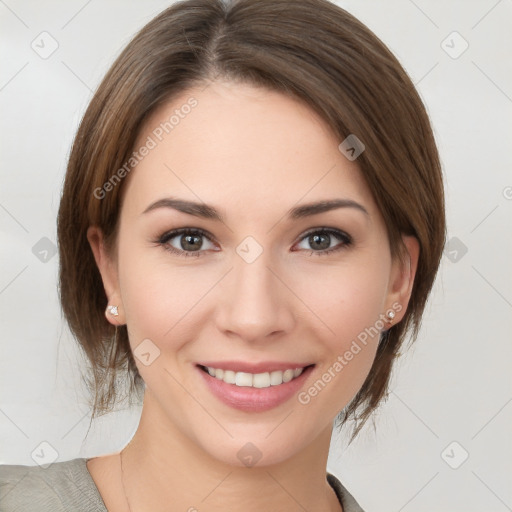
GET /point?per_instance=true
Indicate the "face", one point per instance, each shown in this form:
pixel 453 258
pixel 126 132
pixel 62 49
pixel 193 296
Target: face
pixel 231 282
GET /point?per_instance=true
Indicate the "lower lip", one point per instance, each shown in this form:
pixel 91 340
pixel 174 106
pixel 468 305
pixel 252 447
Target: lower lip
pixel 249 399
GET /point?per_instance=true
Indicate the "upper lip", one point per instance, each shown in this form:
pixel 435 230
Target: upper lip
pixel 262 367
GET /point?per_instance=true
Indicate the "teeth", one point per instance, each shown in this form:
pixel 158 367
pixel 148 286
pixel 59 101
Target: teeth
pixel 261 380
pixel 241 378
pixel 287 375
pixel 255 380
pixel 276 378
pixel 229 377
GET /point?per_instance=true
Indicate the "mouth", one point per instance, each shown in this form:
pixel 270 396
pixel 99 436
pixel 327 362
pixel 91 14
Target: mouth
pixel 255 380
pixel 257 390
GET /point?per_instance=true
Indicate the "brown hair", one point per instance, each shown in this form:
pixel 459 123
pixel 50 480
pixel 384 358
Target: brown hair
pixel 311 50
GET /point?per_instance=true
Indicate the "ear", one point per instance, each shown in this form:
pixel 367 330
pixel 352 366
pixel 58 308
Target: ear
pixel 402 277
pixel 109 274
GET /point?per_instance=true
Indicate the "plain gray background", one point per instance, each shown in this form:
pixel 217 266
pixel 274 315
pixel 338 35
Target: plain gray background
pixel 443 438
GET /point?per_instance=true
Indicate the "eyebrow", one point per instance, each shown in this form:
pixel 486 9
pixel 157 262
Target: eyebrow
pixel 209 212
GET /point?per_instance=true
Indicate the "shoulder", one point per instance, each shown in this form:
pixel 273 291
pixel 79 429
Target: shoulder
pixel 346 499
pixel 59 487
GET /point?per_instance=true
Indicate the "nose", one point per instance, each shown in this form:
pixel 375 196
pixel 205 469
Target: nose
pixel 254 304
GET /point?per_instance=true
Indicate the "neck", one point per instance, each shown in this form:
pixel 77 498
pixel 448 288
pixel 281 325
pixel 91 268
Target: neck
pixel 163 469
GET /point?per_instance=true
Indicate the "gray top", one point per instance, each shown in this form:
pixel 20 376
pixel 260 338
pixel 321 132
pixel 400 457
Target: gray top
pixel 68 486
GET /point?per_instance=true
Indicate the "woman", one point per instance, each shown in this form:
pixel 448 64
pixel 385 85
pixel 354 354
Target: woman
pixel 251 223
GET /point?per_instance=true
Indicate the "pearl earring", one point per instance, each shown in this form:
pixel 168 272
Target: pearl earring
pixel 113 310
pixel 390 315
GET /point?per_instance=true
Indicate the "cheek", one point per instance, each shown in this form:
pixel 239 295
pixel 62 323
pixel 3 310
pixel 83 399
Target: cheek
pixel 160 306
pixel 350 301
pixel 348 297
pixel 157 297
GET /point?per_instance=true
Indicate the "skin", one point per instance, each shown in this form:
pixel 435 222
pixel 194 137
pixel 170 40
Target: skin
pixel 253 154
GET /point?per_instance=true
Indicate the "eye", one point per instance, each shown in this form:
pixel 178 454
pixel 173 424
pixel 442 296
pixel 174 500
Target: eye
pixel 323 241
pixel 191 241
pixel 185 241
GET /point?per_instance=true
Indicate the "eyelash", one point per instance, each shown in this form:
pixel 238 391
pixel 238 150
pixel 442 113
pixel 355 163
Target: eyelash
pixel 164 239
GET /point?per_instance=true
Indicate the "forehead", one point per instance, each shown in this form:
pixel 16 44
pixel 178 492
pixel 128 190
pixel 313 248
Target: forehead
pixel 240 146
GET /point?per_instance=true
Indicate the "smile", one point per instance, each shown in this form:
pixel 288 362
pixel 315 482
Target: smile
pixel 254 387
pixel 254 380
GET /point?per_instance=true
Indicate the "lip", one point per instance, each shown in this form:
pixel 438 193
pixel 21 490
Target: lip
pixel 250 399
pixel 262 367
